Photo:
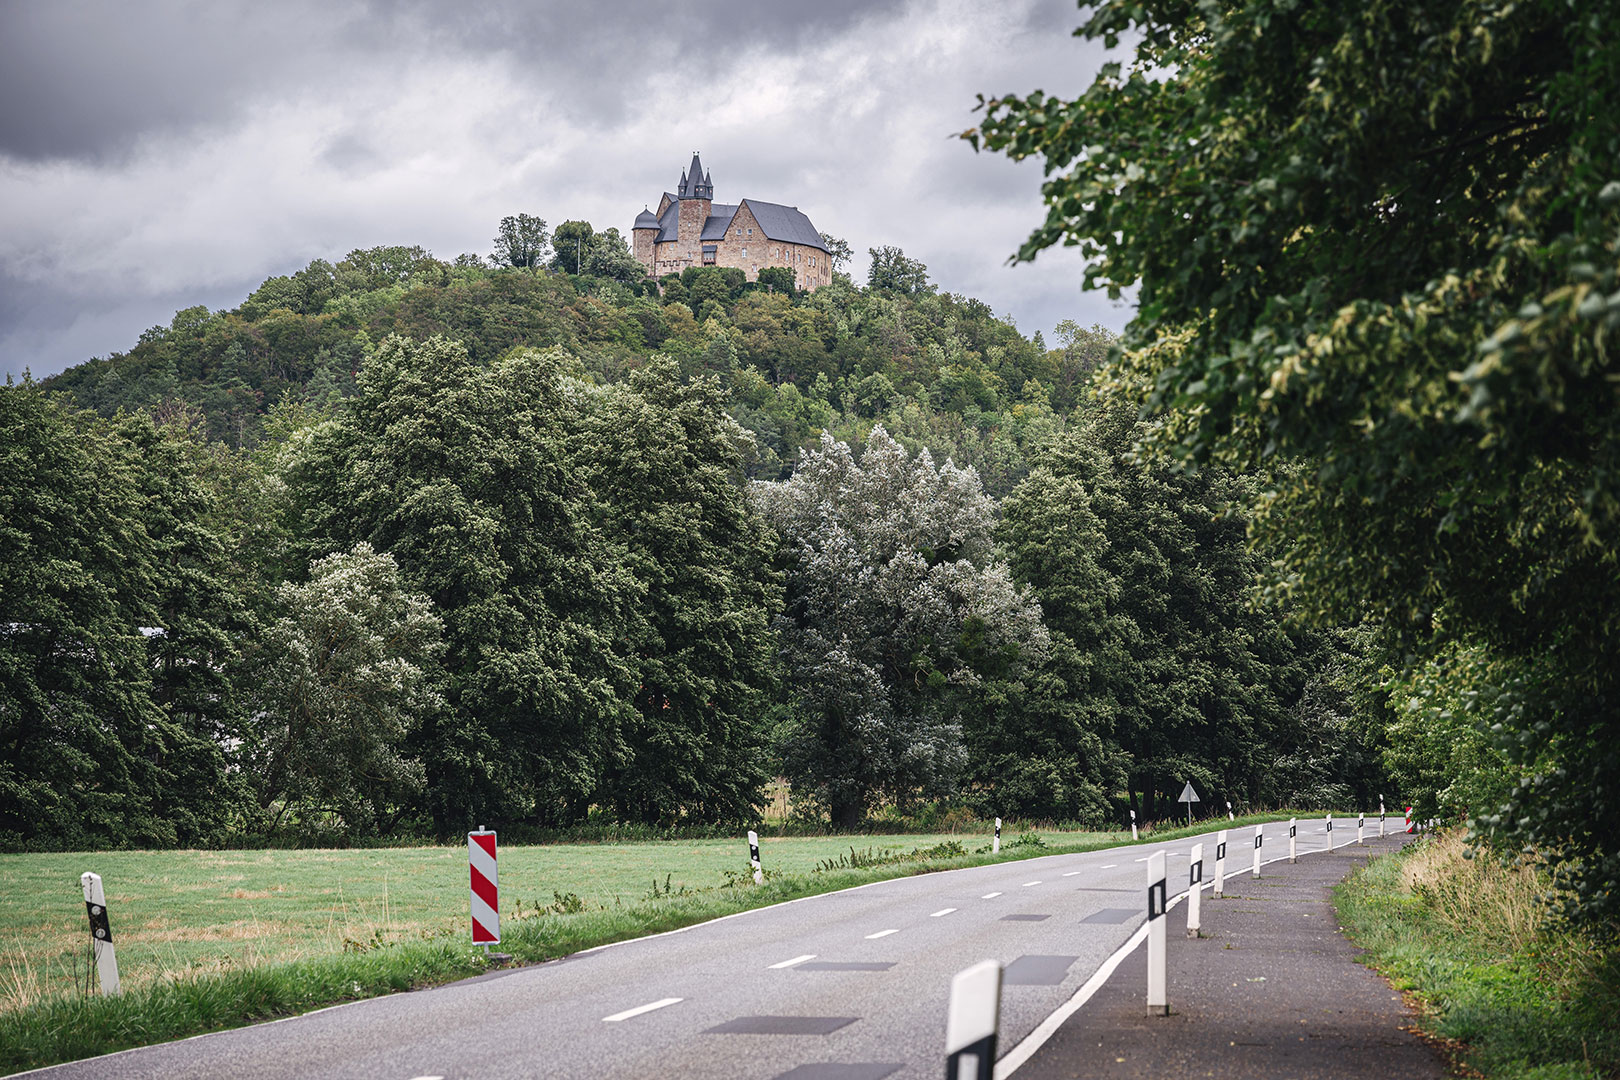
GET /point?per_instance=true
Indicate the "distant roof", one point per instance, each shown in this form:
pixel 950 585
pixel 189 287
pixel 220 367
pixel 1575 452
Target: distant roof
pixel 720 215
pixel 669 223
pixel 646 220
pixel 785 223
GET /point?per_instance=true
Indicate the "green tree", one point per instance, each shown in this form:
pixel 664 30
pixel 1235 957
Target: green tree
pixel 892 271
pixel 521 241
pixel 1379 238
pixel 897 615
pixel 777 279
pixel 838 251
pixel 608 256
pixel 570 244
pixel 342 678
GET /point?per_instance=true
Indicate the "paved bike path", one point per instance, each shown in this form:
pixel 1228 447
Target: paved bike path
pixel 1271 992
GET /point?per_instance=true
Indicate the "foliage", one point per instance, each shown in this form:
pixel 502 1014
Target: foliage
pixel 893 271
pixel 1380 239
pixel 1145 581
pixel 1469 936
pixel 521 241
pixel 838 251
pixel 897 621
pixel 109 739
pixel 341 680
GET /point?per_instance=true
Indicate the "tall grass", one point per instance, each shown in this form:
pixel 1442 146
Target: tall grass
pixel 1526 998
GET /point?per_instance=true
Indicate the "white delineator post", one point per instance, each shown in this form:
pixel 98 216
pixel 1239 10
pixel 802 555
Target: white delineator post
pixel 1133 825
pixel 995 845
pixel 1380 817
pixel 1361 821
pixel 753 857
pixel 971 1022
pixel 1229 815
pixel 1293 840
pixel 1329 831
pixel 1157 997
pixel 1220 865
pixel 1195 894
pixel 485 903
pixel 101 939
pixel 1258 840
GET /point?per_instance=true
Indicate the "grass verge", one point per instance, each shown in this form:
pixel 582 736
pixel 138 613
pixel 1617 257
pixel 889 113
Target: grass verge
pixel 1512 996
pixel 59 1027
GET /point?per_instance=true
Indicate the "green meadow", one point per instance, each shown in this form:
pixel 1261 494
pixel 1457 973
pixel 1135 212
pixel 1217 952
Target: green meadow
pixel 176 913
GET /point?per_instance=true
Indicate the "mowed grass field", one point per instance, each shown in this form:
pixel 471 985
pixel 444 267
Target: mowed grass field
pixel 176 913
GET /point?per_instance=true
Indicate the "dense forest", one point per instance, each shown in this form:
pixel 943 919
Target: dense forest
pixel 401 545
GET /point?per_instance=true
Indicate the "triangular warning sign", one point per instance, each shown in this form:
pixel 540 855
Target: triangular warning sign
pixel 1188 794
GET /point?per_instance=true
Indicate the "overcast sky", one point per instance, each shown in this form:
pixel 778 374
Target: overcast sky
pixel 157 155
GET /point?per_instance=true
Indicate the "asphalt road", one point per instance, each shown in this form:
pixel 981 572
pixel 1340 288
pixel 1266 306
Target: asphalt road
pixel 844 986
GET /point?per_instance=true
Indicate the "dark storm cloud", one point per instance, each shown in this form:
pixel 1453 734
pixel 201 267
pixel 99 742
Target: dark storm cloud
pixel 86 79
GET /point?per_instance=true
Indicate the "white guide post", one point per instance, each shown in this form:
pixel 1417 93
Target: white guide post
pixel 1133 825
pixel 101 939
pixel 1361 821
pixel 485 903
pixel 1258 840
pixel 971 1022
pixel 1220 865
pixel 753 857
pixel 1293 840
pixel 1229 815
pixel 995 845
pixel 1195 892
pixel 1329 831
pixel 1380 817
pixel 1157 998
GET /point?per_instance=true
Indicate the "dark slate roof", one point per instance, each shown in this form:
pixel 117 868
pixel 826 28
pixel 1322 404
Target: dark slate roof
pixel 646 220
pixel 720 215
pixel 785 223
pixel 668 224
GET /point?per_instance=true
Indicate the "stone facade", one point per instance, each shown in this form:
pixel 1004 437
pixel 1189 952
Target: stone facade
pixel 691 229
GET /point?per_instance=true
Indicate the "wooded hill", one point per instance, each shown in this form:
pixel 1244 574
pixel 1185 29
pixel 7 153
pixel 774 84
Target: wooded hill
pixel 400 546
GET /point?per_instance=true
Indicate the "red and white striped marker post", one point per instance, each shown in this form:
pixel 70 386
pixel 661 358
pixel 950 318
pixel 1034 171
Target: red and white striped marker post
pixel 1220 865
pixel 753 857
pixel 995 845
pixel 486 905
pixel 971 1021
pixel 1408 819
pixel 1195 892
pixel 101 938
pixel 1158 978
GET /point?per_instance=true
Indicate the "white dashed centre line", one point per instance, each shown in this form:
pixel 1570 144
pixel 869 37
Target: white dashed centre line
pixel 427 1078
pixel 795 960
pixel 989 896
pixel 1108 866
pixel 1141 860
pixel 881 933
pixel 1027 884
pixel 1071 873
pixel 942 911
pixel 639 1009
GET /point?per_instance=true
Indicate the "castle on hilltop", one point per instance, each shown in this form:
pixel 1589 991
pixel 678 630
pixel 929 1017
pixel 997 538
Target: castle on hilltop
pixel 691 229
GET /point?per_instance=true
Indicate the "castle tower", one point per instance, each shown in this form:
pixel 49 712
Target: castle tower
pixel 696 195
pixel 644 238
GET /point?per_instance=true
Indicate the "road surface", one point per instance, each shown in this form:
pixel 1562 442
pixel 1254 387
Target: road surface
pixel 844 986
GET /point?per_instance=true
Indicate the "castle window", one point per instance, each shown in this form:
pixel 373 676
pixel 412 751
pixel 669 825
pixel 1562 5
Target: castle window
pixel 708 254
pixel 750 230
pixel 745 253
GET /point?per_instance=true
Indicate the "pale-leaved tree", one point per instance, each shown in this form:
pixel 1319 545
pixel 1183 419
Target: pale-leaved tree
pixel 897 618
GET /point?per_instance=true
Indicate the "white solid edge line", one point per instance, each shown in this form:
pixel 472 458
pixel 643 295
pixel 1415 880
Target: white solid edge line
pixel 790 963
pixel 942 911
pixel 639 1009
pixel 880 933
pixel 989 896
pixel 1043 1031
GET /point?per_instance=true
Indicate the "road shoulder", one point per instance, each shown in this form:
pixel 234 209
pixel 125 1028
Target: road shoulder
pixel 1272 990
